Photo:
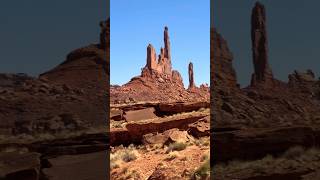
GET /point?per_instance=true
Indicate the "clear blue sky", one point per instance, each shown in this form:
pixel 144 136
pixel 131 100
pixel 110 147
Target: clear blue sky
pixel 293 30
pixel 36 35
pixel 134 24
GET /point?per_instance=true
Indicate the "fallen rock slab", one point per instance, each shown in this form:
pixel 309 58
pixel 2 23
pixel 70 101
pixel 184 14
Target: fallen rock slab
pixel 138 129
pixel 142 114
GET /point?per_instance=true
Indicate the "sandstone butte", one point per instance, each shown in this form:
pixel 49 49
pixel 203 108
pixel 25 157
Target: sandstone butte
pixel 158 81
pixel 61 112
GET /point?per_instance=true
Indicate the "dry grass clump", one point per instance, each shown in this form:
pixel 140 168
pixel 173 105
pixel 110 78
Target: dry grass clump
pixel 123 155
pixel 171 156
pixel 176 146
pixel 117 124
pixel 201 142
pixel 129 174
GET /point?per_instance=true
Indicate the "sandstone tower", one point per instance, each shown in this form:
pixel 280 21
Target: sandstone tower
pixel 262 73
pixel 162 63
pixel 191 77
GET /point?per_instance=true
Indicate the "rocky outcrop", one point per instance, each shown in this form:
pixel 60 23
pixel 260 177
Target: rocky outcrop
pixel 301 77
pixel 222 71
pixel 262 72
pixel 191 77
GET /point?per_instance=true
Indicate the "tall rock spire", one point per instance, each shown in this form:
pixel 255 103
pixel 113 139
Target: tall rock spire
pixel 161 65
pixel 167 52
pixel 262 72
pixel 105 27
pixel 191 77
pixel 167 67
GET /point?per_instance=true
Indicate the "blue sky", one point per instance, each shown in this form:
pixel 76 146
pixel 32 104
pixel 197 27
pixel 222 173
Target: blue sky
pixel 135 24
pixel 36 35
pixel 293 32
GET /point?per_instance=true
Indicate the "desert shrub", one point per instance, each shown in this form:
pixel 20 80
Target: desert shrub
pixel 203 171
pixel 129 155
pixel 177 146
pixel 123 155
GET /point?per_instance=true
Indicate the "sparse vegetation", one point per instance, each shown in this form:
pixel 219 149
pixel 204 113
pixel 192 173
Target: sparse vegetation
pixel 204 141
pixel 176 146
pixel 171 156
pixel 129 174
pixel 123 155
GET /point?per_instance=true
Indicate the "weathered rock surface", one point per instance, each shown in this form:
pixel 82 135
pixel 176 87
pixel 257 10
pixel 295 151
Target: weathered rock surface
pixel 142 114
pixel 200 128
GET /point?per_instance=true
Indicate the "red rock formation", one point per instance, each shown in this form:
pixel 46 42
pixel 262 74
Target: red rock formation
pixel 262 72
pixel 163 65
pixel 222 71
pixel 151 57
pixel 176 78
pixel 158 82
pixel 191 79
